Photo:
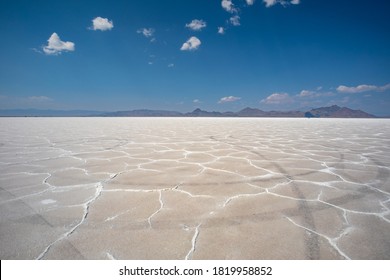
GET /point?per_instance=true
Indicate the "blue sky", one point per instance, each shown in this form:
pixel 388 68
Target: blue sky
pixel 179 55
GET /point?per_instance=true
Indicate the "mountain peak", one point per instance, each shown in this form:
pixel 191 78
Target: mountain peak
pixel 251 112
pixel 335 111
pixel 200 113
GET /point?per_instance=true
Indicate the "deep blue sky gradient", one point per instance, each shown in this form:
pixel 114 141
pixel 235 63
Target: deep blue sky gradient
pixel 315 46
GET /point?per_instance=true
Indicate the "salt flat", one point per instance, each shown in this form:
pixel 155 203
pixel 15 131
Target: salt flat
pixel 194 188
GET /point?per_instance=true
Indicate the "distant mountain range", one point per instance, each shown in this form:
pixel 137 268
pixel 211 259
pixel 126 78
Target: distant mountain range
pixel 323 112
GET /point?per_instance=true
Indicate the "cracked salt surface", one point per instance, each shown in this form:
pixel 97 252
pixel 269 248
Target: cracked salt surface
pixel 185 188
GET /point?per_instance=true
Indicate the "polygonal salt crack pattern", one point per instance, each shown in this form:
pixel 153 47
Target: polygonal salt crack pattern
pixel 194 188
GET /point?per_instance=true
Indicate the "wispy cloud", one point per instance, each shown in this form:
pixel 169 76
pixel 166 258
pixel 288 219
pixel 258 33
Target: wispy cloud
pixel 147 32
pixel 196 25
pixel 102 24
pixel 56 46
pixel 362 88
pixel 235 20
pixel 228 99
pixel 228 6
pixel 171 65
pixel 192 44
pixel 270 3
pixel 314 93
pixel 306 93
pixel 196 101
pixel 277 98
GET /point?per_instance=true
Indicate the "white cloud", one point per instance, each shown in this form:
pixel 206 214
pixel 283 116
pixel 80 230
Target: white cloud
pixel 235 20
pixel 102 24
pixel 229 99
pixel 196 25
pixel 56 46
pixel 171 65
pixel 277 98
pixel 228 6
pixel 196 101
pixel 314 93
pixel 192 44
pixel 147 32
pixel 269 3
pixel 221 30
pixel 362 88
pixel 306 93
pixel 250 2
pixel 384 88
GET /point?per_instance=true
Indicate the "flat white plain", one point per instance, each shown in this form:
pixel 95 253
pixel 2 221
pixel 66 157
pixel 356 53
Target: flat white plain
pixel 194 188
